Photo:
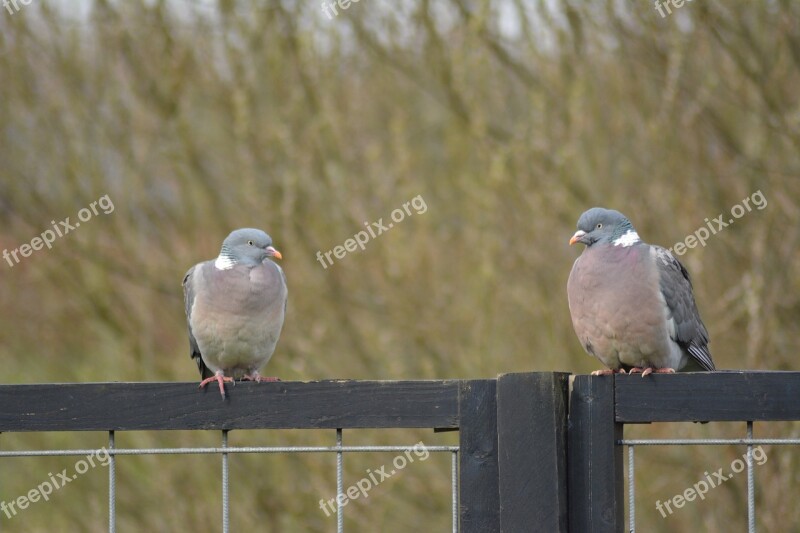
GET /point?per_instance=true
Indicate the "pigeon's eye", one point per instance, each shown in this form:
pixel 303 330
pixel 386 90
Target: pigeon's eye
pixel 599 226
pixel 249 243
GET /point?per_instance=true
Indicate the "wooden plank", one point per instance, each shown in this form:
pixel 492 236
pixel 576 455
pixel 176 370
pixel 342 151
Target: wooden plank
pixel 478 468
pixel 287 404
pixel 708 396
pixel 594 460
pixel 531 437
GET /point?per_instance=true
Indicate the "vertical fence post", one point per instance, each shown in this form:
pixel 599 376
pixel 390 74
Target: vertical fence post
pixel 595 470
pixel 480 497
pixel 532 451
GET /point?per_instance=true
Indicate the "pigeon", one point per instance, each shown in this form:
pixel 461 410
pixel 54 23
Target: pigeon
pixel 235 307
pixel 631 303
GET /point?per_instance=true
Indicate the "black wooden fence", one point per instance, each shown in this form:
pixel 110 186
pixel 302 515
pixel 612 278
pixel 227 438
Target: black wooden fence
pixel 533 454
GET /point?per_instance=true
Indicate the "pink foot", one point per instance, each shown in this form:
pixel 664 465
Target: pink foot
pixel 258 378
pixel 650 370
pixel 607 372
pixel 220 378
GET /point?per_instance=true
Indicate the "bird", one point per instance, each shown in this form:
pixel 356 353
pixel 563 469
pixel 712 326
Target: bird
pixel 632 303
pixel 235 307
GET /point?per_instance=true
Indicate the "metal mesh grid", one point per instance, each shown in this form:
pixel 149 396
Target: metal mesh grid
pixel 224 451
pixel 748 441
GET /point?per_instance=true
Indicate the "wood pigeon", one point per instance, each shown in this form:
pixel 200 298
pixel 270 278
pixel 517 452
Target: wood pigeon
pixel 631 303
pixel 235 307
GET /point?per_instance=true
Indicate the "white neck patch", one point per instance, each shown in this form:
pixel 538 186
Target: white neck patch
pixel 224 262
pixel 629 238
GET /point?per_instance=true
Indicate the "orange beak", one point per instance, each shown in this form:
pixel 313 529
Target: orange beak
pixel 577 237
pixel 272 252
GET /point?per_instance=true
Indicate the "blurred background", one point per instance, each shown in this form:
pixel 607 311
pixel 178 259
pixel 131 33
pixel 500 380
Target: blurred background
pixel 508 117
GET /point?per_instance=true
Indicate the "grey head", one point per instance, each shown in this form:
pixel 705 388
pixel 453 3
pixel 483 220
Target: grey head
pixel 248 246
pixel 600 225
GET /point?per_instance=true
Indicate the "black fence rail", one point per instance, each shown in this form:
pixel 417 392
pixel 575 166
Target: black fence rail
pixel 532 455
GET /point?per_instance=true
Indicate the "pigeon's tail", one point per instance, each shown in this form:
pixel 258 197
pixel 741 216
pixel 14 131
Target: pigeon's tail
pixel 205 372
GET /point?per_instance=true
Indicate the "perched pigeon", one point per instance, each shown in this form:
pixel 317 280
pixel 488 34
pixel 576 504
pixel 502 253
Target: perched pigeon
pixel 234 308
pixel 631 303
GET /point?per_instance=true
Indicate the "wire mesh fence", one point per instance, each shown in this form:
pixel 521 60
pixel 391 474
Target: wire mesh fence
pixel 482 412
pixel 224 451
pixel 533 453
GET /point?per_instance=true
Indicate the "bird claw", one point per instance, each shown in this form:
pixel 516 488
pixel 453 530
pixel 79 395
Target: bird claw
pixel 664 370
pixel 219 378
pixel 650 370
pixel 603 372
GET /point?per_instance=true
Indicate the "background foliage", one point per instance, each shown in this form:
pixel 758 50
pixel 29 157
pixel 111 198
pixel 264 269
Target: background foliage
pixel 509 117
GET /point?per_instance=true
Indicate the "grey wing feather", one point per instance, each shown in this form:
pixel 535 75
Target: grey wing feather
pixel 188 300
pixel 283 277
pixel 690 332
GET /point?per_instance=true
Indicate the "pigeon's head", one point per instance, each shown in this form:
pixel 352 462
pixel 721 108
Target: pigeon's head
pixel 248 246
pixel 604 226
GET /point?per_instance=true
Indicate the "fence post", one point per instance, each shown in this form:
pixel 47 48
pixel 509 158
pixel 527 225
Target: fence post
pixel 479 490
pixel 596 482
pixel 532 447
